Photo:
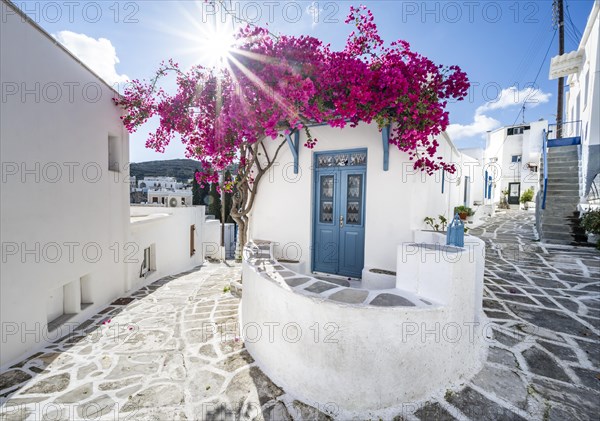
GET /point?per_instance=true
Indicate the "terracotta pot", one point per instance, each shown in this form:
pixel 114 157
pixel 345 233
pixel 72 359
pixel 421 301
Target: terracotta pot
pixel 463 215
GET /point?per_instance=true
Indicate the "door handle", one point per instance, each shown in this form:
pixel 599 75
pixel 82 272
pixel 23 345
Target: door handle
pixel 341 221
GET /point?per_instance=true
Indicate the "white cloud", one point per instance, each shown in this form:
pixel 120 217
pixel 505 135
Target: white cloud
pixel 511 97
pixel 98 54
pixel 508 98
pixel 314 12
pixel 480 125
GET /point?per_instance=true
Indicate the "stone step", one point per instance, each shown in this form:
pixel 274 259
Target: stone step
pixel 560 184
pixel 562 167
pixel 563 149
pixel 563 227
pixel 561 193
pixel 554 153
pixel 566 237
pixel 558 220
pixel 561 159
pixel 555 209
pixel 563 178
pixel 560 206
pixel 572 174
pixel 574 242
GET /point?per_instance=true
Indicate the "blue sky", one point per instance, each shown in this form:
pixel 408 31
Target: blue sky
pixel 500 44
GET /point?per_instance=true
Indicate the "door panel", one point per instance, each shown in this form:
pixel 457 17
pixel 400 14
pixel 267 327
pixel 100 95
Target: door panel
pixel 352 231
pixel 339 215
pixel 514 193
pixel 326 227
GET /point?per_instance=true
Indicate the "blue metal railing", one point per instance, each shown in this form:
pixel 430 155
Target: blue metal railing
pixel 570 134
pixel 545 160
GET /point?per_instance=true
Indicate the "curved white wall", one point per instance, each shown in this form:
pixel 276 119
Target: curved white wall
pixel 362 359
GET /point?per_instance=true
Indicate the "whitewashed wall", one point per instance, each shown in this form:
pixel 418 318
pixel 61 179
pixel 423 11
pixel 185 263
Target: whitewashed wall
pixel 397 200
pixel 211 244
pixel 63 210
pixel 583 100
pixel 167 231
pixel 502 147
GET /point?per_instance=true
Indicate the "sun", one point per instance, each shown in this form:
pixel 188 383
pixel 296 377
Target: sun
pixel 216 46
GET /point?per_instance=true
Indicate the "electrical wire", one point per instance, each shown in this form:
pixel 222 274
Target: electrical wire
pixel 533 91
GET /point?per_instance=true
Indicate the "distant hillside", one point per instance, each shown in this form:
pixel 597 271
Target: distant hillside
pixel 181 169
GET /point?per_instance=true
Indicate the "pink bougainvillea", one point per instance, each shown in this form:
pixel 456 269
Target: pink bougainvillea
pixel 285 83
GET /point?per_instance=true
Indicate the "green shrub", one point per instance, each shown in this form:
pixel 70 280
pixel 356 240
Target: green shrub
pixel 591 223
pixel 527 196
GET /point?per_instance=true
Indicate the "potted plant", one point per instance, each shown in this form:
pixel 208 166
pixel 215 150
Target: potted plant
pixel 526 198
pixel 591 223
pixel 463 212
pixel 503 200
pixel 435 225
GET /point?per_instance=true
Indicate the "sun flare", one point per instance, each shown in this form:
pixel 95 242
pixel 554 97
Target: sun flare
pixel 216 46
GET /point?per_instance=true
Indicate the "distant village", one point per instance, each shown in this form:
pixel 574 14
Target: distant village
pixel 162 191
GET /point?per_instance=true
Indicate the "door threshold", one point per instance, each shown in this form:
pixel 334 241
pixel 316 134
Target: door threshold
pixel 334 276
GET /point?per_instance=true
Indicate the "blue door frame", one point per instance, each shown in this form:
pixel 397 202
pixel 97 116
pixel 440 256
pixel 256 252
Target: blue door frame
pixel 339 212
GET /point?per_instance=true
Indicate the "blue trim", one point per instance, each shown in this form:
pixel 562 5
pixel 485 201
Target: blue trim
pixel 545 158
pixel 565 141
pixel 443 180
pixel 385 137
pixel 485 187
pixel 294 147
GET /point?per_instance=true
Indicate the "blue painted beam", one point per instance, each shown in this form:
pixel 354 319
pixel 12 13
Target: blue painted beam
pixel 443 179
pixel 565 141
pixel 294 147
pixel 485 187
pixel 385 137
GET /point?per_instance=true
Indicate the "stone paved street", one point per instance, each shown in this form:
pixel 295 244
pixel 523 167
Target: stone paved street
pixel 171 350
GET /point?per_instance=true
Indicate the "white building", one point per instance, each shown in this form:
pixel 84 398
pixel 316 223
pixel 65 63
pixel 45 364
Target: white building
pixel 511 160
pixel 365 210
pixel 582 100
pixel 158 183
pixel 573 152
pixel 170 198
pixel 69 243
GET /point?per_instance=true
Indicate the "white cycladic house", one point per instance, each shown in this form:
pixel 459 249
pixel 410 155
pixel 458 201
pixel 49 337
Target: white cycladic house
pixel 69 243
pixel 170 198
pixel 582 100
pixel 512 159
pixel 158 183
pixel 349 211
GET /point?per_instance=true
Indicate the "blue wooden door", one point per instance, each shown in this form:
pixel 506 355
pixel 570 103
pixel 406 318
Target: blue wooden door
pixel 339 216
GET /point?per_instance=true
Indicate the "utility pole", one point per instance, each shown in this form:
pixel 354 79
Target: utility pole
pixel 560 21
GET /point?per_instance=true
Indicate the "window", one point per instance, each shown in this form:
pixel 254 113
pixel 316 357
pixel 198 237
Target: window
pixel 586 87
pixel 148 262
pixel 515 158
pixel 192 242
pixel 114 149
pixel 517 130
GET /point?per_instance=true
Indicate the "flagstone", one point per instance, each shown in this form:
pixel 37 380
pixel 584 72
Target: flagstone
pixel 13 378
pixel 51 384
